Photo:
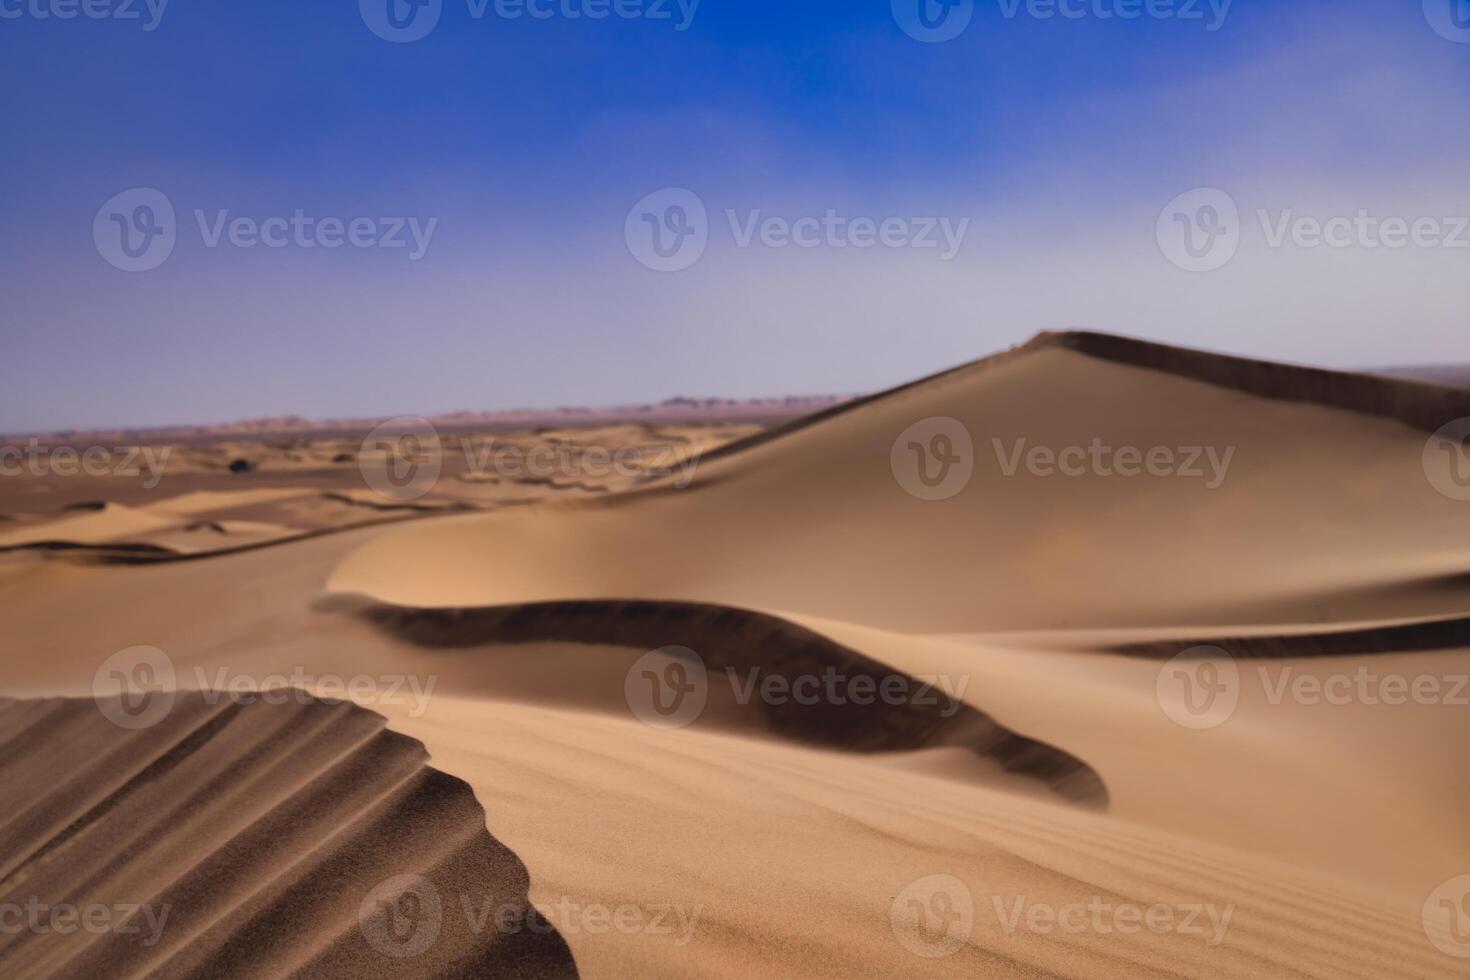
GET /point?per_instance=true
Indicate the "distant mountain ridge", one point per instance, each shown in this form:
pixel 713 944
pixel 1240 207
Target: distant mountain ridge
pixel 677 409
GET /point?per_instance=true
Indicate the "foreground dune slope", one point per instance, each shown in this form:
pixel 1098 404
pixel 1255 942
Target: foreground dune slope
pixel 260 839
pixel 794 856
pixel 1294 495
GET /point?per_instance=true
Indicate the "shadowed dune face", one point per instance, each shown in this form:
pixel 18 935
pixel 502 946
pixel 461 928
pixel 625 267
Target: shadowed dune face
pixel 1270 509
pixel 732 642
pixel 263 839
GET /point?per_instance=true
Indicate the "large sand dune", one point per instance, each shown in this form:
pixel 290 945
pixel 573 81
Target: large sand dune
pixel 1323 513
pixel 834 839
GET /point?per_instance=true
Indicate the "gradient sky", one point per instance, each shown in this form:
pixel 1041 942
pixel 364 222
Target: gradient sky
pixel 1060 139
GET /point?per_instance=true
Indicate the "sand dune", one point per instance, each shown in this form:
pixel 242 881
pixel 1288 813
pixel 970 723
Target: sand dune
pixel 813 520
pixel 244 838
pixel 767 836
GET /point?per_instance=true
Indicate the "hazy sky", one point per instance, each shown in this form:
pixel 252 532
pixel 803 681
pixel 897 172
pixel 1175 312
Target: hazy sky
pixel 1048 147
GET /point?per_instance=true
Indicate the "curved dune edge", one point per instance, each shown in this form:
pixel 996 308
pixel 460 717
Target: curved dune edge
pixel 250 839
pixel 1421 404
pixel 734 641
pixel 1434 634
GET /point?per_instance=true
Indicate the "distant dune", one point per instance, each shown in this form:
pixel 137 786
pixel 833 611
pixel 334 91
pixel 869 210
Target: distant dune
pixel 680 409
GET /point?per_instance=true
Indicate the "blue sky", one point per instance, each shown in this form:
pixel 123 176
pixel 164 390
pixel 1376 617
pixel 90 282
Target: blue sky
pixel 1057 141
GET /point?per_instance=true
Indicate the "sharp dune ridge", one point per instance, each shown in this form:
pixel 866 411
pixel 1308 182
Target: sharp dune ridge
pixel 251 835
pixel 1419 402
pixel 735 640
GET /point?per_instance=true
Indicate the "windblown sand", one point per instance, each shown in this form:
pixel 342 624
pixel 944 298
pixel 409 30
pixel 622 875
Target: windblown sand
pixel 1301 839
